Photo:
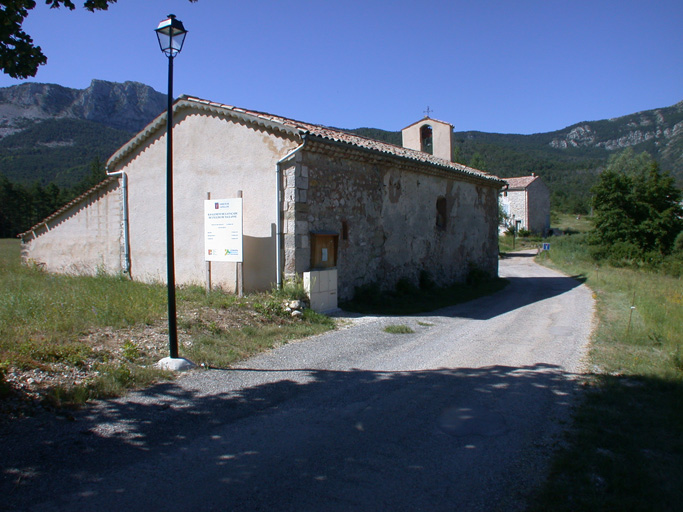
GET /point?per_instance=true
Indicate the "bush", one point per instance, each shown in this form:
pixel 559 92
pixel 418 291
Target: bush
pixel 292 289
pixel 678 243
pixel 673 265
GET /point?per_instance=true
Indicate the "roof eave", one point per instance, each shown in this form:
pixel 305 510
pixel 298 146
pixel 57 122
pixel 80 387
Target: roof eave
pixel 460 170
pixel 184 102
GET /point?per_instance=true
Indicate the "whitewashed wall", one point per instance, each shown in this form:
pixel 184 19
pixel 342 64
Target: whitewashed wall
pixel 210 155
pixel 83 239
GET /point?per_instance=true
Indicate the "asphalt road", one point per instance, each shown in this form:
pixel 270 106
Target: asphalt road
pixel 461 415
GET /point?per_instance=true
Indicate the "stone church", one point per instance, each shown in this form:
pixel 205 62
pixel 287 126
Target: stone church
pixel 314 199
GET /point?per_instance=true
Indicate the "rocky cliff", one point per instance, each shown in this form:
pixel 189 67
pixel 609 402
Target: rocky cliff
pixel 658 131
pixel 125 106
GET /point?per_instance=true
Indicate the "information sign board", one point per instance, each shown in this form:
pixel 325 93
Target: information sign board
pixel 223 230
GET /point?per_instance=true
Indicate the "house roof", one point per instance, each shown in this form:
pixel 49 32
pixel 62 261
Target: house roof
pixel 521 182
pixel 300 129
pixel 429 119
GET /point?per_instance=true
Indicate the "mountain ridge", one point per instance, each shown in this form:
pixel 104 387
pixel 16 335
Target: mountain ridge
pixel 125 106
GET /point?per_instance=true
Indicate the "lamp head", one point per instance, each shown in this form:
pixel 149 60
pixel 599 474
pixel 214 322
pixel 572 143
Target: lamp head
pixel 171 35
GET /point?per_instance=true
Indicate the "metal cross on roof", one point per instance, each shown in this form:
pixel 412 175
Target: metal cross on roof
pixel 428 111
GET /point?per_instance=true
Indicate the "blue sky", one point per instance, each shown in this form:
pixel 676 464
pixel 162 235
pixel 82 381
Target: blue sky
pixel 494 66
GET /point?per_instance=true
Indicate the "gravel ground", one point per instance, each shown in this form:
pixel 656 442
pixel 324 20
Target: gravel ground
pixel 462 414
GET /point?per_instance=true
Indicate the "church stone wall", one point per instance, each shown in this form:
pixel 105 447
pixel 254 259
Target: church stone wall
pixel 386 218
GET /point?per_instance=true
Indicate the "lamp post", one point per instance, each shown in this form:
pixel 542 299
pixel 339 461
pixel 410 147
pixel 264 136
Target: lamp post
pixel 171 35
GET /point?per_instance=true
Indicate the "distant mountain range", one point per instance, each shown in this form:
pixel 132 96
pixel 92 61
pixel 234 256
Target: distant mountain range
pixel 52 134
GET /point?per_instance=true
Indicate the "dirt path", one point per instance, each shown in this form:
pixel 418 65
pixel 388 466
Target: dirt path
pixel 462 414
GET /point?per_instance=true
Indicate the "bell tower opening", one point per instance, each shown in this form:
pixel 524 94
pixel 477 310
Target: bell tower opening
pixel 426 139
pixel 430 136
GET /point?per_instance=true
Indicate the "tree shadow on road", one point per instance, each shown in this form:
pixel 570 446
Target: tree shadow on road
pixel 521 292
pixel 299 440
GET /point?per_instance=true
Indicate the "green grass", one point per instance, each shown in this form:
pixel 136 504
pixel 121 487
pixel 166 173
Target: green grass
pixel 571 224
pixel 565 223
pixel 222 347
pixel 398 329
pixel 45 320
pixel 625 450
pixel 508 243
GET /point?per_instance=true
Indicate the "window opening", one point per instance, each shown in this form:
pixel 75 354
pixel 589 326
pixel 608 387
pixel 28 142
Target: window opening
pixel 426 139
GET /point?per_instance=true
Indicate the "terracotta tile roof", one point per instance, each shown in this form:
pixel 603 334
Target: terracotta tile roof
pixel 279 123
pixel 521 182
pixel 427 118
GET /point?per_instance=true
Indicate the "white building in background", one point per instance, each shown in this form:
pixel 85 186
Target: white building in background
pixel 526 202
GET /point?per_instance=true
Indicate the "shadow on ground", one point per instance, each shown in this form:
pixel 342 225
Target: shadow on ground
pixel 304 440
pixel 521 292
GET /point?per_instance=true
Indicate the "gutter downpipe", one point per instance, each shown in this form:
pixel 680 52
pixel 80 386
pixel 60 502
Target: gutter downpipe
pixel 126 238
pixel 279 200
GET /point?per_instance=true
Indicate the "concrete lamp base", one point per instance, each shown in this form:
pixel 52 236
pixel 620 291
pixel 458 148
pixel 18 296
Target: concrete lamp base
pixel 176 364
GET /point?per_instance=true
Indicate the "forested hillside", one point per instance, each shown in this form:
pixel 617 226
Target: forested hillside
pixel 57 151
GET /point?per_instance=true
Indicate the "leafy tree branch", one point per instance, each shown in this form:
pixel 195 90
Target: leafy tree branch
pixel 19 57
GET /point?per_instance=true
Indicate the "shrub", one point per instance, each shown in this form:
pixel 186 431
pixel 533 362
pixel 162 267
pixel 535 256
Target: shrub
pixel 673 265
pixel 292 289
pixel 678 243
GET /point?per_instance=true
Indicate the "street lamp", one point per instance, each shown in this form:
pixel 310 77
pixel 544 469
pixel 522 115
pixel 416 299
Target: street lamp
pixel 171 35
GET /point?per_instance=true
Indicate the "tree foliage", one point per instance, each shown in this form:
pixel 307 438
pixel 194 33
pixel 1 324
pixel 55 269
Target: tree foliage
pixel 637 211
pixel 24 206
pixel 19 57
